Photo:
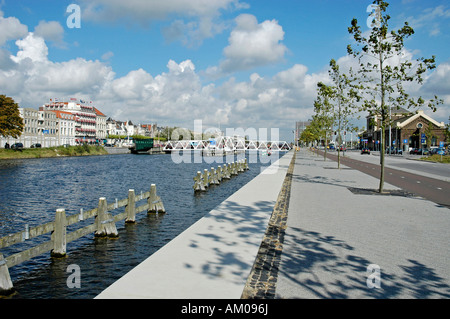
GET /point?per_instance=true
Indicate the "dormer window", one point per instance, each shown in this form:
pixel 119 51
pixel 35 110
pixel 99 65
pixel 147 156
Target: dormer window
pixel 419 125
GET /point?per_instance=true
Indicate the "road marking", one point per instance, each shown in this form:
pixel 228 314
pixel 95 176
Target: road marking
pixel 402 176
pixel 439 188
pixel 418 182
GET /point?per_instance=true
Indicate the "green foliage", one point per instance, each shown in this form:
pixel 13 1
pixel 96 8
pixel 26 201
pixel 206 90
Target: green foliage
pixel 383 70
pixel 335 103
pixel 124 137
pixel 79 150
pixel 11 123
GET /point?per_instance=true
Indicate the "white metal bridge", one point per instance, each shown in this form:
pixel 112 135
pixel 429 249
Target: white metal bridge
pixel 226 144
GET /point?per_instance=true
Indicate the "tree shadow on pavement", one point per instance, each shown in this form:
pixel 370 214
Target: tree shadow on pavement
pixel 324 267
pixel 235 226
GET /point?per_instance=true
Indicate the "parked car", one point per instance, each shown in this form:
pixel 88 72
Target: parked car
pixel 17 146
pixel 37 145
pixel 365 150
pixel 342 148
pixel 441 151
pixel 398 151
pixel 394 150
pixel 415 151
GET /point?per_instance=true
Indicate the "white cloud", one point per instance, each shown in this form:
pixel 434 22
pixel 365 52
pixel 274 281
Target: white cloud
pixel 252 44
pixel 11 29
pixel 430 19
pixel 180 95
pixel 437 81
pixel 33 79
pixel 50 30
pixel 107 56
pixel 31 47
pixel 144 10
pixel 194 20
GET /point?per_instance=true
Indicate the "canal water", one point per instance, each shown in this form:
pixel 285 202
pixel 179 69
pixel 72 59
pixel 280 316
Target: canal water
pixel 32 189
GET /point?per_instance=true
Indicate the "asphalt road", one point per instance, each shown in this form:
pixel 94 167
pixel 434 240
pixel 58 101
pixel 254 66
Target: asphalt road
pixel 435 190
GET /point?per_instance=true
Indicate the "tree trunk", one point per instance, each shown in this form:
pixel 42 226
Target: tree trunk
pixel 383 122
pixel 383 136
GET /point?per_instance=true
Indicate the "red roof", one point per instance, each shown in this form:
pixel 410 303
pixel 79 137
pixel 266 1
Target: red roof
pixel 98 112
pixel 58 113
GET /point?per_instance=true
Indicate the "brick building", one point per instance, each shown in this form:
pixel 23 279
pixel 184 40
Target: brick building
pixel 408 130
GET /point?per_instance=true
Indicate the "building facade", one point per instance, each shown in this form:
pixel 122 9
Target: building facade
pixel 100 125
pixel 40 127
pixel 66 128
pixel 408 130
pixel 85 119
pixel 60 123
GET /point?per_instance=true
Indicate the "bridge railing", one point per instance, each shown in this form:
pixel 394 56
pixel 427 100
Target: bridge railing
pixel 104 225
pixel 224 144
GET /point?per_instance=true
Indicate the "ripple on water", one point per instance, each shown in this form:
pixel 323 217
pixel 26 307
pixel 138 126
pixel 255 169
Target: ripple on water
pixel 32 190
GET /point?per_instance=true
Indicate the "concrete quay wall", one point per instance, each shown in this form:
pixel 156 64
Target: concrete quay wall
pixel 117 150
pixel 213 258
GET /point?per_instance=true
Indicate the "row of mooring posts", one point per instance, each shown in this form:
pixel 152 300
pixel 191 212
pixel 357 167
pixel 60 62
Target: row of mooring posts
pixel 202 181
pixel 104 225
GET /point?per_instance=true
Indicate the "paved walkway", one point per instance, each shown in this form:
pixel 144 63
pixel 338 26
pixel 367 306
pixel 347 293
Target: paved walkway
pixel 213 258
pixel 324 235
pixel 338 243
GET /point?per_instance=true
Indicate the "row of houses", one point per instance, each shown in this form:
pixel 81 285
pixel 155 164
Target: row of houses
pixel 72 123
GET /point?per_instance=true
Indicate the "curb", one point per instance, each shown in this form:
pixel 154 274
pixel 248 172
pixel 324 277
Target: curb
pixel 261 283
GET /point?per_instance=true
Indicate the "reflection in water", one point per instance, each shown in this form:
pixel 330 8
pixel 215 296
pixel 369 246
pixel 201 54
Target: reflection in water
pixel 32 190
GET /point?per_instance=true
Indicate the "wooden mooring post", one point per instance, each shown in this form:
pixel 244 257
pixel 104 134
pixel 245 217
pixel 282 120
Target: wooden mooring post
pixel 130 208
pixel 104 226
pixel 202 181
pixel 59 234
pixel 6 285
pixel 154 202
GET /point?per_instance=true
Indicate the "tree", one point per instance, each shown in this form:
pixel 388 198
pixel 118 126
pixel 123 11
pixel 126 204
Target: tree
pixel 447 131
pixel 344 95
pixel 383 69
pixel 324 117
pixel 11 123
pixel 309 134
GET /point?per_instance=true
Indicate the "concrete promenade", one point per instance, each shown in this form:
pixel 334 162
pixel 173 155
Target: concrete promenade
pixel 213 258
pixel 333 235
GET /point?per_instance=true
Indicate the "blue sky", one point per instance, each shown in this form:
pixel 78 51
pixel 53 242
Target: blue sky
pixel 175 61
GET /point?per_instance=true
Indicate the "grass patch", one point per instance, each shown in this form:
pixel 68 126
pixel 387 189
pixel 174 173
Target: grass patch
pixel 437 158
pixel 79 150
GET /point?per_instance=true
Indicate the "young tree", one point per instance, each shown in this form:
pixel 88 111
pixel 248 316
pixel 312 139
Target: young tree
pixel 383 70
pixel 11 123
pixel 324 117
pixel 310 134
pixel 344 96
